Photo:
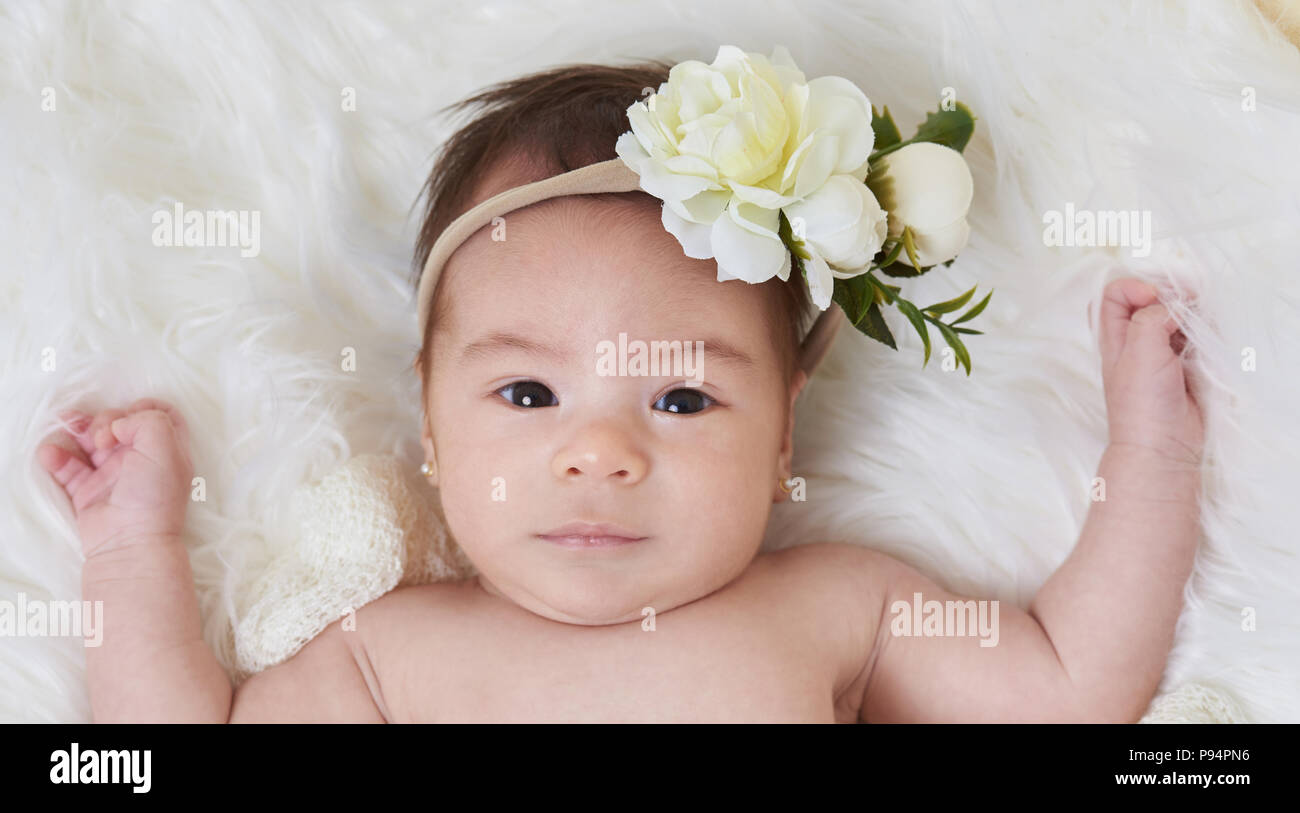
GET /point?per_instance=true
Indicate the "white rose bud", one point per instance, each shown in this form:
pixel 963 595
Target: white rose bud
pixel 928 187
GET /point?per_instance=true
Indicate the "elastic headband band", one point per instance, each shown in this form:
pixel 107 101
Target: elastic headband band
pixel 607 176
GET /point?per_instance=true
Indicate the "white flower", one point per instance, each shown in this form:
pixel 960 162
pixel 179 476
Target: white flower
pixel 928 187
pixel 726 146
pixel 843 227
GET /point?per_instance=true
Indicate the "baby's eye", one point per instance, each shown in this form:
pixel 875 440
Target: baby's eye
pixel 528 394
pixel 686 400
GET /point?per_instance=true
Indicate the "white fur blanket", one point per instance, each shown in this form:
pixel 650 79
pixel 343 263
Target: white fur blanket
pixel 113 112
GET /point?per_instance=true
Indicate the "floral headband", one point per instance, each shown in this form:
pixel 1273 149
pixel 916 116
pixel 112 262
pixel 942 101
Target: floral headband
pixel 764 171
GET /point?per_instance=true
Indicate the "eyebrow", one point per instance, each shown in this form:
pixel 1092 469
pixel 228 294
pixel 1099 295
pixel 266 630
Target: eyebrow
pixel 501 342
pixel 718 350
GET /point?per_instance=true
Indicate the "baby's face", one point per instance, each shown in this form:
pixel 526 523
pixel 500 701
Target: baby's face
pixel 528 435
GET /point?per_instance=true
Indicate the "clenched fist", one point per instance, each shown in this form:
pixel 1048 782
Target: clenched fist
pixel 1149 402
pixel 127 473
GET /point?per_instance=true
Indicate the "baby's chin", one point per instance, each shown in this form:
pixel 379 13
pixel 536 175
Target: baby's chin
pixel 594 597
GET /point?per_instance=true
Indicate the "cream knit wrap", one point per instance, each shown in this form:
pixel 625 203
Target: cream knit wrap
pixel 367 527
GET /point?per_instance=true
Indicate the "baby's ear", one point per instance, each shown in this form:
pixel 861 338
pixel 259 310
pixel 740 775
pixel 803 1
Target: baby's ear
pixel 787 438
pixel 797 385
pixel 430 455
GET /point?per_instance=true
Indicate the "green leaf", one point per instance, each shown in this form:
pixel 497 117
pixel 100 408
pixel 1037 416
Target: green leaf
pixel 891 267
pixel 889 258
pixel 914 316
pixel 875 327
pixel 854 295
pixel 967 330
pixel 952 128
pixel 883 291
pixel 909 243
pixel 882 124
pixel 901 270
pixel 954 341
pixel 951 304
pixel 975 311
pixel 797 252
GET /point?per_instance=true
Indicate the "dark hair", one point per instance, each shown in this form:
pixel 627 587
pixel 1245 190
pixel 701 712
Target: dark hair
pixel 547 123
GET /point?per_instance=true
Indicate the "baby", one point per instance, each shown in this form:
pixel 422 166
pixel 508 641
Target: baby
pixel 615 521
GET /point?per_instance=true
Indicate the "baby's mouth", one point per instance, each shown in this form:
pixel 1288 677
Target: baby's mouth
pixel 591 535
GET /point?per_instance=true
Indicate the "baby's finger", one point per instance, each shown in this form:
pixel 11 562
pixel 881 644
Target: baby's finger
pixel 99 433
pixel 66 467
pixel 1149 336
pixel 77 424
pixel 1119 301
pixel 149 431
pixel 1178 341
pixel 178 420
pixel 73 416
pixel 98 484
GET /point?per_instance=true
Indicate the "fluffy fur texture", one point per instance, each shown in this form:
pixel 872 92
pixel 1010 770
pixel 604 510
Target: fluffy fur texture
pixel 981 482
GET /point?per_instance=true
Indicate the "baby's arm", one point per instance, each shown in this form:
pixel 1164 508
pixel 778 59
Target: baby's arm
pixel 328 680
pixel 1093 645
pixel 128 479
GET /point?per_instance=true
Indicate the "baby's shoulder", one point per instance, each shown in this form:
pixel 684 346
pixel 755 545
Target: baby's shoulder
pixel 830 596
pixel 823 571
pixel 822 583
pixel 408 610
pixel 415 600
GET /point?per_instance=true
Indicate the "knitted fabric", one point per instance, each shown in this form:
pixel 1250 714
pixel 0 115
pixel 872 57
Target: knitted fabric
pixel 365 528
pixel 1194 703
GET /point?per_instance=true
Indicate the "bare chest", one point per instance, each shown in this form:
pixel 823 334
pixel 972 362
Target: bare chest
pixel 705 663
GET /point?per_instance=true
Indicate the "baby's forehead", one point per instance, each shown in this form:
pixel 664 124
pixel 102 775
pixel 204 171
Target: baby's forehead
pixel 603 219
pixel 582 241
pixel 592 261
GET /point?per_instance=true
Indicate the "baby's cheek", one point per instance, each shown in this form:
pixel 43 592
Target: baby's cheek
pixel 477 487
pixel 729 491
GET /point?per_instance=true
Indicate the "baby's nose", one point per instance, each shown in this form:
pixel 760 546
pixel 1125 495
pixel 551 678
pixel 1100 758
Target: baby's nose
pixel 601 453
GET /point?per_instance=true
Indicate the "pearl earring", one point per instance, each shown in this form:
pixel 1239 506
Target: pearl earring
pixel 426 469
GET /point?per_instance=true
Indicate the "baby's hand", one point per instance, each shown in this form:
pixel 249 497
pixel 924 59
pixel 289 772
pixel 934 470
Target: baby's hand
pixel 128 475
pixel 1148 400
